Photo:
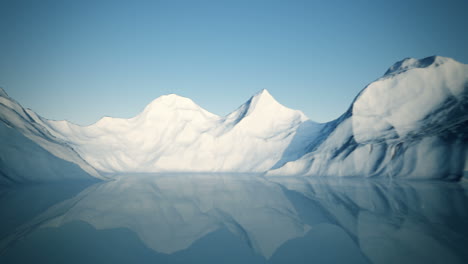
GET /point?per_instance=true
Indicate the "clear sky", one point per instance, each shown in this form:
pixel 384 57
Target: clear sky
pixel 81 60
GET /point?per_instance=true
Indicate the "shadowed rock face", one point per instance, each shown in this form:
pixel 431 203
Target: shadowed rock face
pixel 29 153
pixel 411 123
pixel 384 222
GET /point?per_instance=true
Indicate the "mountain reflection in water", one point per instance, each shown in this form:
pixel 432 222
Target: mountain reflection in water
pixel 236 218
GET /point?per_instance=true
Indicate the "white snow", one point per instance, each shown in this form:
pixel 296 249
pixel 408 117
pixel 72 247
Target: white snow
pixel 29 153
pixel 400 104
pixel 410 123
pixel 175 134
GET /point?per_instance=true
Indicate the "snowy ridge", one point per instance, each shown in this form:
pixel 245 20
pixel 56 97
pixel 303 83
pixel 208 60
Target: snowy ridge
pixel 174 134
pixel 412 63
pixel 411 123
pixel 30 153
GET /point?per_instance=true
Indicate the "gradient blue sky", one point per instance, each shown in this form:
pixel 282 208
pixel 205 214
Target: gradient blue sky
pixel 81 60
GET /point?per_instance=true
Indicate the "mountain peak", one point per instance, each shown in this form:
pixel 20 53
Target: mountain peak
pixel 263 92
pixel 173 98
pixel 411 63
pixel 263 97
pixel 263 107
pixel 264 102
pixel 173 101
pixel 173 104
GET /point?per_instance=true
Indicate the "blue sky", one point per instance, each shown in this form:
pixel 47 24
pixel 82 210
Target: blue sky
pixel 81 60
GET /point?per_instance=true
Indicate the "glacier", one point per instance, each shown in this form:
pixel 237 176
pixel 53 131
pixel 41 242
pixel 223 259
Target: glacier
pixel 410 123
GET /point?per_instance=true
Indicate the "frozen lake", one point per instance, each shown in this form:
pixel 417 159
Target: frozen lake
pixel 235 219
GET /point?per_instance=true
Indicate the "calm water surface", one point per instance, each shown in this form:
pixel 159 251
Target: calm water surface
pixel 235 219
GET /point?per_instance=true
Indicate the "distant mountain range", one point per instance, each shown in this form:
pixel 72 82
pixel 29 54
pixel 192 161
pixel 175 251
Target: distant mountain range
pixel 410 123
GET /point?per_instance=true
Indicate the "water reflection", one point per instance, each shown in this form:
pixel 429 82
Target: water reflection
pixel 279 219
pixel 395 222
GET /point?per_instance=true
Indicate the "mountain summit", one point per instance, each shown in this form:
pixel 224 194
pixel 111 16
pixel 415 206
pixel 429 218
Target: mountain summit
pixel 262 115
pixel 263 101
pixel 173 102
pixel 412 63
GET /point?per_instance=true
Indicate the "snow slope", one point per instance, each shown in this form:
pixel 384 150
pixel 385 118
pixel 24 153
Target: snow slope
pixel 29 153
pixel 175 134
pixel 410 123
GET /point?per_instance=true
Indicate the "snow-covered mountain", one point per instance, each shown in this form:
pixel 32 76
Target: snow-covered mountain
pixel 410 123
pixel 175 134
pixel 30 153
